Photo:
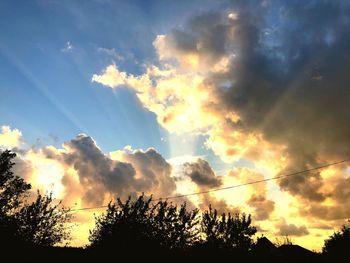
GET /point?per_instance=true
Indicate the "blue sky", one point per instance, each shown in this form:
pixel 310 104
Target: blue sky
pixel 47 90
pixel 50 49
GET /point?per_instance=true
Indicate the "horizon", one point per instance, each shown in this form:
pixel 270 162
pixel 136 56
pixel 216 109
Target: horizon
pixel 104 99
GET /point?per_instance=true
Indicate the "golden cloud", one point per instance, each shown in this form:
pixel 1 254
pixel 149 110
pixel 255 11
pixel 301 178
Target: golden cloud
pixel 10 138
pixel 215 78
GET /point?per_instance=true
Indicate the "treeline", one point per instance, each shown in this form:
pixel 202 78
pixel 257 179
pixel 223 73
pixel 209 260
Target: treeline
pixel 168 228
pixel 141 226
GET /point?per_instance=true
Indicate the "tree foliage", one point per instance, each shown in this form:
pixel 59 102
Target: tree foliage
pixel 142 224
pixel 40 223
pixel 229 232
pixel 12 188
pixel 339 243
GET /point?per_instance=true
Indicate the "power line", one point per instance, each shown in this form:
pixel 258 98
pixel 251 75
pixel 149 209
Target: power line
pixel 253 182
pixel 230 187
pixel 88 208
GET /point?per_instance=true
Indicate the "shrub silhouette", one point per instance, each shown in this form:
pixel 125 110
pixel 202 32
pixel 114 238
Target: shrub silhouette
pixel 40 223
pixel 143 225
pixel 227 232
pixel 338 244
pixel 164 227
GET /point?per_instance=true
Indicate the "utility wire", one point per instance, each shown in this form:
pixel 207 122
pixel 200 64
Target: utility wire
pixel 231 186
pixel 88 208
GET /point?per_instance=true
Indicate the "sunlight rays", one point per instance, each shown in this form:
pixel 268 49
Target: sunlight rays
pixel 36 83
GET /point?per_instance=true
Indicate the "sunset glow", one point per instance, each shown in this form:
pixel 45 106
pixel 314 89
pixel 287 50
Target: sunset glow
pixel 108 99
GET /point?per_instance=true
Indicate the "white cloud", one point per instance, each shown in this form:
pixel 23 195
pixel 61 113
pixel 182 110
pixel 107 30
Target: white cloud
pixel 67 48
pixel 10 138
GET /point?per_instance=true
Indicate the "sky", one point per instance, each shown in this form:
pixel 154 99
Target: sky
pixel 103 99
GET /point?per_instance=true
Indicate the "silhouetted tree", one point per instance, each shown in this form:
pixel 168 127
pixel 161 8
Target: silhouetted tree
pixel 12 192
pixel 39 223
pixel 12 188
pixel 178 228
pixel 338 244
pixel 122 224
pixel 143 225
pixel 228 232
pixel 42 222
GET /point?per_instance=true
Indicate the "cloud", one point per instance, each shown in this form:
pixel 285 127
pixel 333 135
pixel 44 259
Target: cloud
pixel 274 94
pixel 257 193
pixel 336 192
pixel 80 174
pixel 180 101
pixel 98 174
pixel 104 177
pixel 290 229
pixel 67 48
pixel 187 95
pixel 202 174
pixel 281 100
pixel 153 172
pixel 204 178
pixel 9 138
pixel 113 77
pixel 263 207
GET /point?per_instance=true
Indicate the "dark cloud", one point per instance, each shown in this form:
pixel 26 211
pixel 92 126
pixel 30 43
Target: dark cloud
pixel 291 229
pixel 288 81
pixel 206 36
pixel 101 177
pixel 98 174
pixel 263 207
pixel 93 165
pixel 153 171
pixel 275 92
pixel 340 196
pixel 201 173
